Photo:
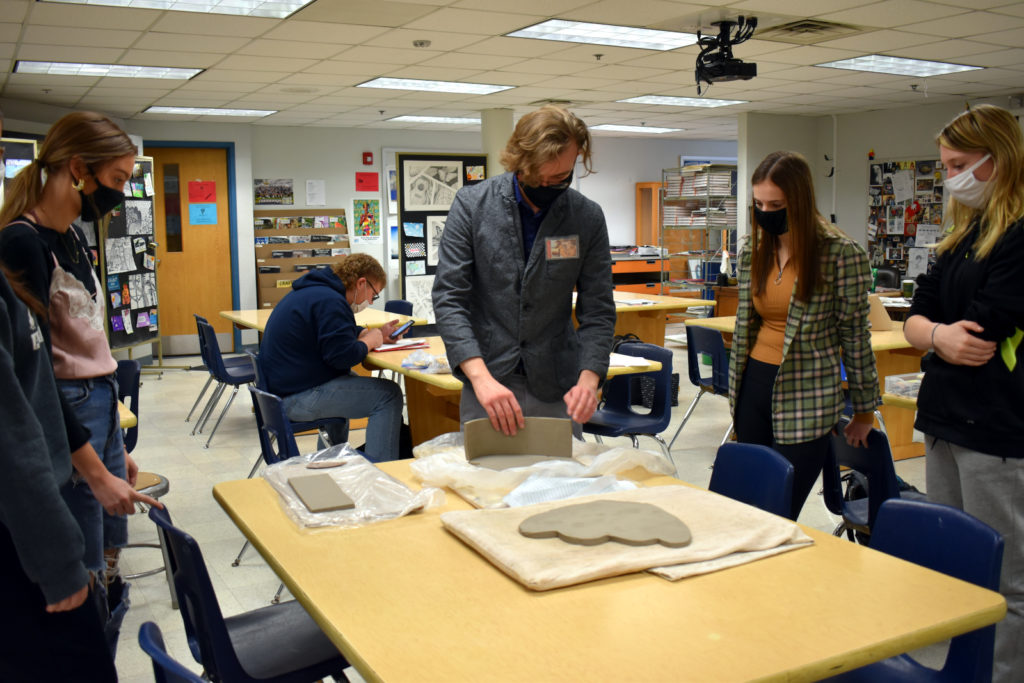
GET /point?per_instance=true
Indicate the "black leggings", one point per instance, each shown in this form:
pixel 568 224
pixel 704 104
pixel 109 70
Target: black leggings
pixel 753 424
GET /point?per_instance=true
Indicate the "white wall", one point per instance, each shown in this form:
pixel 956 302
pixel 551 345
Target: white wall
pixel 620 163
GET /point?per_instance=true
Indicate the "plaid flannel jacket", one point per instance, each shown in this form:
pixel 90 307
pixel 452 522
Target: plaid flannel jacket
pixel 808 396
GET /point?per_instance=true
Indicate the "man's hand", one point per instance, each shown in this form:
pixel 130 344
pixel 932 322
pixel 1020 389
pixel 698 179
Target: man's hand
pixel 71 602
pixel 955 344
pixel 581 400
pixel 500 403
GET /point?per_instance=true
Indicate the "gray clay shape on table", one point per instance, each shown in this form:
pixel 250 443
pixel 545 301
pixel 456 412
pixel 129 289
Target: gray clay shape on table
pixel 600 521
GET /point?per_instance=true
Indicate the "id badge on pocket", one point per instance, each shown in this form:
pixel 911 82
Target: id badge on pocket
pixel 560 248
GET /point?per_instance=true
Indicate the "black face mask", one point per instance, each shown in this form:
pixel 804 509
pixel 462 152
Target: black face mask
pixel 773 222
pixel 544 196
pixel 101 202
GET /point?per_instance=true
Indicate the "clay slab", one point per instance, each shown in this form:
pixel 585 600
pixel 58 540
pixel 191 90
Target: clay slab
pixel 600 521
pixel 542 436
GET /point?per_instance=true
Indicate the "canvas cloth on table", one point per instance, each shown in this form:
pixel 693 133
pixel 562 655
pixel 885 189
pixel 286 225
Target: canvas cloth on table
pixel 725 532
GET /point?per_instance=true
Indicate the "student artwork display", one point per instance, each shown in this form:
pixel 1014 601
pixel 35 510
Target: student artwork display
pixel 128 263
pixel 427 184
pixel 905 211
pixel 365 220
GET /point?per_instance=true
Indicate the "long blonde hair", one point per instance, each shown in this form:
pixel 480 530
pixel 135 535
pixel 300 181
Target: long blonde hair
pixel 86 134
pixel 993 130
pixel 540 136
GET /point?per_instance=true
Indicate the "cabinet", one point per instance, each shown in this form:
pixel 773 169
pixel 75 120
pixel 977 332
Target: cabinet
pixel 648 205
pixel 698 220
pixel 637 274
pixel 290 242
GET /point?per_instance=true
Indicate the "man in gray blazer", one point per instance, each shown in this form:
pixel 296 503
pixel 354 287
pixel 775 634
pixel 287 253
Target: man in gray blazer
pixel 513 250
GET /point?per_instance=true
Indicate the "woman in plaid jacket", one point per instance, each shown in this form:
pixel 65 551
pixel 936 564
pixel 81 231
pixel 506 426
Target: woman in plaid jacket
pixel 803 308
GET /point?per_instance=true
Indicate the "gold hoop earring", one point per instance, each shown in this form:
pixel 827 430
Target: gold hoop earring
pixel 78 185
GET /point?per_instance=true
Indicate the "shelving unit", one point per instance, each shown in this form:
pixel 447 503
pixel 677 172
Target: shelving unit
pixel 698 219
pixel 290 242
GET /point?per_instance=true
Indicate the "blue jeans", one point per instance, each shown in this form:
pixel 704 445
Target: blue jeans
pixel 354 396
pixel 95 403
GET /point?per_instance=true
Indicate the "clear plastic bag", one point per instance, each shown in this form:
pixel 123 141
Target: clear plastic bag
pixel 486 488
pixel 377 495
pixel 424 361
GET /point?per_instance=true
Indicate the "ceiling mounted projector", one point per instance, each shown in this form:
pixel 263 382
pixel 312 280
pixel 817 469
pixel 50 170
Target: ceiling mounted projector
pixel 715 62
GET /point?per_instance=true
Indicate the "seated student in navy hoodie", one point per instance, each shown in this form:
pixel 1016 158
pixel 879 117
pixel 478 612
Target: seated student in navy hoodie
pixel 312 342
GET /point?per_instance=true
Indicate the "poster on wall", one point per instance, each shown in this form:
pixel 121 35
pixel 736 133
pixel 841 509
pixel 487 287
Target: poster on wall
pixel 430 185
pixel 435 228
pixel 905 212
pixel 274 191
pixel 366 221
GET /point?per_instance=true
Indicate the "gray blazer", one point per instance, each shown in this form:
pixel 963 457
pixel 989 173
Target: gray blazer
pixel 489 303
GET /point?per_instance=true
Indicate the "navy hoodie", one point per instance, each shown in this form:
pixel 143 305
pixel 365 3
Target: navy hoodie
pixel 311 337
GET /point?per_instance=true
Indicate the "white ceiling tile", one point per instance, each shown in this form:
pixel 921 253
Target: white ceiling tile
pixel 87 37
pixel 890 42
pixel 198 85
pixel 168 42
pixel 945 50
pixel 9 32
pixel 891 13
pixel 251 63
pixel 440 41
pixel 69 53
pixel 291 48
pixel 185 60
pixel 324 32
pixel 92 16
pixel 369 12
pixel 360 70
pixel 796 8
pixel 609 54
pixel 633 13
pixel 1011 38
pixel 319 80
pixel 621 73
pixel 433 73
pixel 474 21
pixel 510 77
pixel 7 51
pixel 383 55
pixel 238 75
pixel 577 83
pixel 15 10
pixel 213 24
pixel 462 60
pixel 514 47
pixel 547 66
pixel 1015 9
pixel 539 7
pixel 1005 57
pixel 811 54
pixel 969 24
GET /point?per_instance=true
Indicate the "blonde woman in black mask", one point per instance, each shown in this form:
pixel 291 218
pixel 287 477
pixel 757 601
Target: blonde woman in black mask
pixel 81 169
pixel 803 306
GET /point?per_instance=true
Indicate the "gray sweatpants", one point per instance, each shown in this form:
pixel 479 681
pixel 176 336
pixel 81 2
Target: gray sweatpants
pixel 992 489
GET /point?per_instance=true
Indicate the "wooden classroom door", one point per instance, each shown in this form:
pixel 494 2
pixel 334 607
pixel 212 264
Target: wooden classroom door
pixel 192 226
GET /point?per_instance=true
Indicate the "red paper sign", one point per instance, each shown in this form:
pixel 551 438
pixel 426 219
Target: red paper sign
pixel 367 182
pixel 202 191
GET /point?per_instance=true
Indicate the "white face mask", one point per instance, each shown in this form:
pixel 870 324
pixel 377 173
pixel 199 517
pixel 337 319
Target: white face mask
pixel 967 189
pixel 360 306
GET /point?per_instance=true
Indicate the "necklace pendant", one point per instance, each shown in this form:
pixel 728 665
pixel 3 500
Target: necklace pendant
pixel 778 278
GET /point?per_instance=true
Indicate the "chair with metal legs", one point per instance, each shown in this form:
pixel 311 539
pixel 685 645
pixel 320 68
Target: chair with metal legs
pixel 234 376
pixel 234 361
pixel 705 341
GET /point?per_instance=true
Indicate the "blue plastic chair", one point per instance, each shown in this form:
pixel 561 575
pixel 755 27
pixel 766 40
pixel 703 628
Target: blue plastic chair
pixel 848 407
pixel 705 341
pixel 234 376
pixel 950 541
pixel 875 463
pixel 166 669
pixel 399 306
pixel 755 475
pixel 234 361
pixel 128 375
pixel 617 417
pixel 279 643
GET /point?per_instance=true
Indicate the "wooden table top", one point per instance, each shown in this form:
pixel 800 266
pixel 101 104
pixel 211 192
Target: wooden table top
pixel 886 340
pixel 660 302
pixel 392 360
pixel 404 600
pixel 256 318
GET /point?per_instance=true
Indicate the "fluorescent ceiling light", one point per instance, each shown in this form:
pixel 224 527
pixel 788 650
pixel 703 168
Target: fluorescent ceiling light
pixel 434 86
pixel 681 101
pixel 209 111
pixel 277 9
pixel 635 129
pixel 436 119
pixel 899 66
pixel 104 70
pixel 605 34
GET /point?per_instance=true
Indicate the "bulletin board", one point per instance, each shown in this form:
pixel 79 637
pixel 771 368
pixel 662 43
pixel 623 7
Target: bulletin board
pixel 127 251
pixel 905 211
pixel 426 185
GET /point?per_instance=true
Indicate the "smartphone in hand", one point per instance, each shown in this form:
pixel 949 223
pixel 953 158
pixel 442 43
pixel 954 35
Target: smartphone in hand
pixel 400 330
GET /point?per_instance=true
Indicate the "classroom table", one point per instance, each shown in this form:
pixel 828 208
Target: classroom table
pixel 404 600
pixel 647 320
pixel 433 399
pixel 893 356
pixel 256 318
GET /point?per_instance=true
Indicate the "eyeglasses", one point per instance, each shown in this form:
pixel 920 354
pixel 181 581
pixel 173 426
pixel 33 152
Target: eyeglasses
pixel 376 294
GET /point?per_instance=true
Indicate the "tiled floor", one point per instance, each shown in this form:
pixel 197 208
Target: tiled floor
pixel 165 446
